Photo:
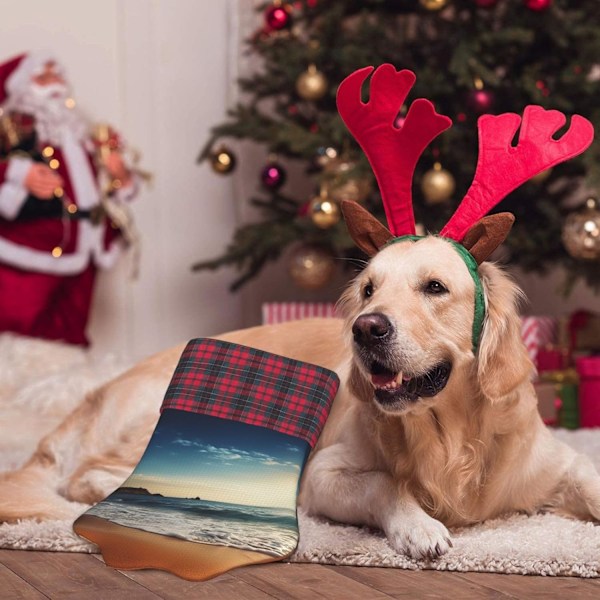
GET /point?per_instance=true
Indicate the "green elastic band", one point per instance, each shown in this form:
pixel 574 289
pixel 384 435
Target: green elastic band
pixel 472 266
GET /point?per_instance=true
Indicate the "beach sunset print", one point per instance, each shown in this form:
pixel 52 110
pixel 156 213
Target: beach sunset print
pixel 213 481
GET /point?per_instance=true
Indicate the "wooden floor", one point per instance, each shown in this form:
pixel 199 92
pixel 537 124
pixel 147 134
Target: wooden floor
pixel 29 575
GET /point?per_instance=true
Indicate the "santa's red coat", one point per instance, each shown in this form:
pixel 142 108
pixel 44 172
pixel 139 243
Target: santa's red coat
pixel 28 243
pixel 42 295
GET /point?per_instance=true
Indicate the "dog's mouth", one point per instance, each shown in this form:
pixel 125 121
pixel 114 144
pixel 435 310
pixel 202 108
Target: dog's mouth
pixel 392 387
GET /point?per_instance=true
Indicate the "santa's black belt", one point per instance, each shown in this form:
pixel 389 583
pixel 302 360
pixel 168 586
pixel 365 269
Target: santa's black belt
pixel 55 209
pixel 95 215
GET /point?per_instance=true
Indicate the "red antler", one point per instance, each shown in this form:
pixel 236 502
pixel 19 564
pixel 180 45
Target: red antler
pixel 393 152
pixel 501 168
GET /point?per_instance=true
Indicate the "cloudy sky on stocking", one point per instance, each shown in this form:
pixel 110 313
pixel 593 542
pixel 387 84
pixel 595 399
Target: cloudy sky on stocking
pixel 192 455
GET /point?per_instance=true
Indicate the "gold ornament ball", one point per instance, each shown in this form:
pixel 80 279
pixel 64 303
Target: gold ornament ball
pixel 342 184
pixel 357 190
pixel 437 185
pixel 312 84
pixel 433 4
pixel 223 160
pixel 311 266
pixel 581 232
pixel 324 212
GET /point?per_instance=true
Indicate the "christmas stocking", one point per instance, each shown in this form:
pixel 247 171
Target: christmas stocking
pixel 217 485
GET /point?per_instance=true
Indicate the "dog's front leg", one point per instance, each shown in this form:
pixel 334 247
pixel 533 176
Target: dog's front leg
pixel 334 486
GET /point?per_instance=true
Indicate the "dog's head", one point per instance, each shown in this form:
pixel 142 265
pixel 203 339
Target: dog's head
pixel 410 316
pixel 407 313
pixel 426 310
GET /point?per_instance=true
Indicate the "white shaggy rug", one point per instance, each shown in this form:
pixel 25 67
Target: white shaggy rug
pixel 40 382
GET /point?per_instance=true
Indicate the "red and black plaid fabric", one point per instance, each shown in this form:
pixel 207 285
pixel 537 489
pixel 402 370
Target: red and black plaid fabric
pixel 236 382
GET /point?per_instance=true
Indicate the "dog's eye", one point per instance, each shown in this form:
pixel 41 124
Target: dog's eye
pixel 435 287
pixel 368 290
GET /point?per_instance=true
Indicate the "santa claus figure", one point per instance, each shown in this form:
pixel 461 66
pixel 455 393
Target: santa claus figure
pixel 54 227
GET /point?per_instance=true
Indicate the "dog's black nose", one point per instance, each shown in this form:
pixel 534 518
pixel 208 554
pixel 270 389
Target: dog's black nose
pixel 371 328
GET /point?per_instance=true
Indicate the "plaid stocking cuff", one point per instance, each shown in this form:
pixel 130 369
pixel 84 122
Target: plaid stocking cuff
pixel 226 380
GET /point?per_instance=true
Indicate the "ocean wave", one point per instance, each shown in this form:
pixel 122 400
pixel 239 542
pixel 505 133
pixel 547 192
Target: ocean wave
pixel 261 529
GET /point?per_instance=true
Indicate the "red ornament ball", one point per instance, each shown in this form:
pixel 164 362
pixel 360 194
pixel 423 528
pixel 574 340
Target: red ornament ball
pixel 486 3
pixel 273 176
pixel 537 5
pixel 278 17
pixel 481 100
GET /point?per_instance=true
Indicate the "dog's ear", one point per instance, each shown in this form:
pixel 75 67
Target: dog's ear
pixel 502 359
pixel 366 231
pixel 487 234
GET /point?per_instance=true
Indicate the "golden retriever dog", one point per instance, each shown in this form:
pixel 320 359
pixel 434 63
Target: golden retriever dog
pixel 424 434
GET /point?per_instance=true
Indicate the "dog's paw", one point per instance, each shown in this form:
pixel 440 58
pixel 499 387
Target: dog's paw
pixel 419 536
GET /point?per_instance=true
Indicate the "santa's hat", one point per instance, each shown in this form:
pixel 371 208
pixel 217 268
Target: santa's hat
pixel 16 73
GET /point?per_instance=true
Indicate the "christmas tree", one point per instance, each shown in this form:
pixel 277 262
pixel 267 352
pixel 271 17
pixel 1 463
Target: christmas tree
pixel 471 57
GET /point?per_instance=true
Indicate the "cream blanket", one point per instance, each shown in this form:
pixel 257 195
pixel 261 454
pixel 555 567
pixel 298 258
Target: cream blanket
pixel 41 382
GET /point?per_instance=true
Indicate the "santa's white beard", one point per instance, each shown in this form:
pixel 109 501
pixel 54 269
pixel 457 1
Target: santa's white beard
pixel 46 103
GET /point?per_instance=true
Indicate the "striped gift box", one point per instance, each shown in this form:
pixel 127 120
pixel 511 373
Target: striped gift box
pixel 279 312
pixel 537 331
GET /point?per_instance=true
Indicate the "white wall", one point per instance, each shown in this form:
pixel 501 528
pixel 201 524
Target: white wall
pixel 545 294
pixel 161 72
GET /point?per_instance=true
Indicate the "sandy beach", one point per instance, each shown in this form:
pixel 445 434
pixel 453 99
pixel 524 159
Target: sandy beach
pixel 128 548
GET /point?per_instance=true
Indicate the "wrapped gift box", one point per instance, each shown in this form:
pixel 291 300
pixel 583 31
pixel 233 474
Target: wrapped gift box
pixel 548 401
pixel 538 333
pixel 279 312
pixel 585 331
pixel 588 369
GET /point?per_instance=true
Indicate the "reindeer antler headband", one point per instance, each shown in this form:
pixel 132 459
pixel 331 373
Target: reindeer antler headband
pixel 394 151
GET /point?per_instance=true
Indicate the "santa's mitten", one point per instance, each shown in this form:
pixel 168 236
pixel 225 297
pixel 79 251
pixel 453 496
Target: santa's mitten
pixel 217 485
